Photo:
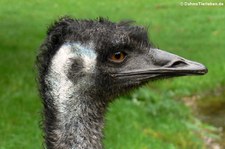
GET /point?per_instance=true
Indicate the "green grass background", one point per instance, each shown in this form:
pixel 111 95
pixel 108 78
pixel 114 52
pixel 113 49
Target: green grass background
pixel 146 118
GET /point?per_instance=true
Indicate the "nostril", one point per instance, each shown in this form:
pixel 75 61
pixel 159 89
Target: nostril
pixel 177 64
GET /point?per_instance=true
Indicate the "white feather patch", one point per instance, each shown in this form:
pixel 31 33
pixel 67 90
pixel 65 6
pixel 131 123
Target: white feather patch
pixel 61 86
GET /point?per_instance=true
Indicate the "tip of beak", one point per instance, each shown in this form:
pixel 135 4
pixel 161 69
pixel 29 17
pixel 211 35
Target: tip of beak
pixel 197 68
pixel 204 70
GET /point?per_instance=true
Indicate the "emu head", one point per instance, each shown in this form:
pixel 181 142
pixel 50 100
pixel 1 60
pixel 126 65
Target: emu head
pixel 104 59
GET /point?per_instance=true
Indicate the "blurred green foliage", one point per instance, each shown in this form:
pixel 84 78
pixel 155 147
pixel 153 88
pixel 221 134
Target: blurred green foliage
pixel 148 117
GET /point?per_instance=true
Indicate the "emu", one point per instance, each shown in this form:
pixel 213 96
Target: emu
pixel 84 64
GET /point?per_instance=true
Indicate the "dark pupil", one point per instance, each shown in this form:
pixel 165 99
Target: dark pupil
pixel 117 55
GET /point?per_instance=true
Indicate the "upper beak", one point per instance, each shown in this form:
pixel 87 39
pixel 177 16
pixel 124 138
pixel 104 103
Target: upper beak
pixel 165 64
pixel 168 63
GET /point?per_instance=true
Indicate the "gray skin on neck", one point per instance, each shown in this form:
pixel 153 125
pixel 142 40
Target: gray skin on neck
pixel 79 116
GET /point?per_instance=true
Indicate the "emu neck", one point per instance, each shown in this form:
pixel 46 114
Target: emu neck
pixel 81 125
pixel 78 122
pixel 76 114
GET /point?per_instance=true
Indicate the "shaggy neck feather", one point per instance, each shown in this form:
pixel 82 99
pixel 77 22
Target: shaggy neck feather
pixel 79 125
pixel 79 117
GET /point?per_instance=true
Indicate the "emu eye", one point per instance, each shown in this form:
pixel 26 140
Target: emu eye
pixel 117 57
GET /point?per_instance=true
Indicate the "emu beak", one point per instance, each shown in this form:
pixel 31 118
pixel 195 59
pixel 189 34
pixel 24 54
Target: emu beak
pixel 170 64
pixel 160 64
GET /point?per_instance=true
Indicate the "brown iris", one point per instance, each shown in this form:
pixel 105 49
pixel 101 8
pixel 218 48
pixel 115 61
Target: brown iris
pixel 117 57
